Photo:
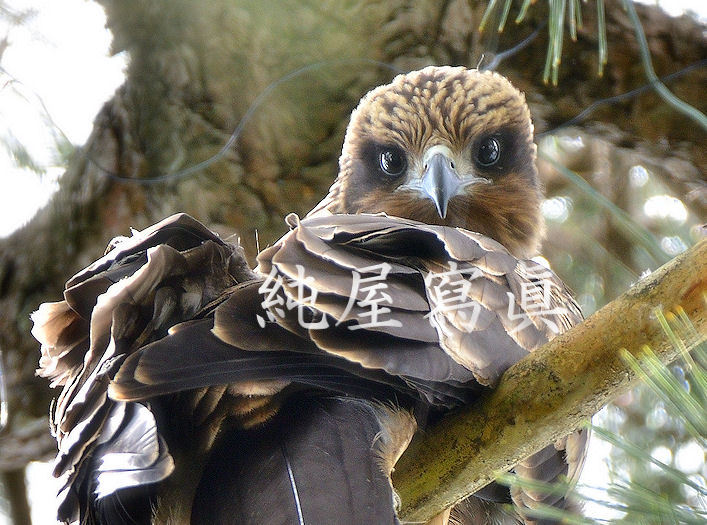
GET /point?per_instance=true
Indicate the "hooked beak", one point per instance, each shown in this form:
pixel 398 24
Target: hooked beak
pixel 440 181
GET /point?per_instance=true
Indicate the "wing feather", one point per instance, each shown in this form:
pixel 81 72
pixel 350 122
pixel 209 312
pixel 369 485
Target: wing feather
pixel 354 305
pixel 127 298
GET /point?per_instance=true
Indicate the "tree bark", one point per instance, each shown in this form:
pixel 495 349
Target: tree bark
pixel 550 392
pixel 196 67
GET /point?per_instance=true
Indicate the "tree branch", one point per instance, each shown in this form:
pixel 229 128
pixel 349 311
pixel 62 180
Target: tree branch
pixel 550 392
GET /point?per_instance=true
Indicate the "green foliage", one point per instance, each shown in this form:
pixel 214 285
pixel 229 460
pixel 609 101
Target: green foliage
pixel 570 12
pixel 663 91
pixel 610 217
pixel 639 234
pixel 14 16
pixel 19 153
pixel 658 442
pixel 33 110
pixel 556 21
pixel 659 465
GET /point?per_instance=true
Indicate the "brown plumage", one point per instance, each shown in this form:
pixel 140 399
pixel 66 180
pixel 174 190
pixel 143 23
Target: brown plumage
pixel 455 110
pixel 208 393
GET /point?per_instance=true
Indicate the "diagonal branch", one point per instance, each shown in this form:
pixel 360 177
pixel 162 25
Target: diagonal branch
pixel 550 392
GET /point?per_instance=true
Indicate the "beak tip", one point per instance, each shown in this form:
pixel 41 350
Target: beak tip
pixel 440 182
pixel 442 212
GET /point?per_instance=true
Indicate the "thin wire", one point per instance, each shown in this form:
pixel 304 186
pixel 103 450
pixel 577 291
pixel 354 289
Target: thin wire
pixel 276 83
pixel 494 63
pixel 623 96
pixel 241 124
pixel 503 55
pixel 681 106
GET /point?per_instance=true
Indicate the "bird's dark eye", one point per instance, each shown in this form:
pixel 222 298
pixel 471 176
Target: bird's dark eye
pixel 392 162
pixel 489 152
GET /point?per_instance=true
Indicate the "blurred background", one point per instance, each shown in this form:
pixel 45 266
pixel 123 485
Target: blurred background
pixel 117 113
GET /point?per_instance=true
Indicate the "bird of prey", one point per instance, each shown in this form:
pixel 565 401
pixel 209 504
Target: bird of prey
pixel 196 390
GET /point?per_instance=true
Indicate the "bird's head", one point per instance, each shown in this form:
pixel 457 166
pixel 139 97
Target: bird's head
pixel 449 146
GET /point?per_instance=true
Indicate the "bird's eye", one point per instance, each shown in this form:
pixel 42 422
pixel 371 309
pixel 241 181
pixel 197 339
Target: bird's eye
pixel 489 152
pixel 392 162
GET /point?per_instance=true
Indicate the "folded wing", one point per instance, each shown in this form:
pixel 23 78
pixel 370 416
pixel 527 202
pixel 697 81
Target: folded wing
pixel 367 307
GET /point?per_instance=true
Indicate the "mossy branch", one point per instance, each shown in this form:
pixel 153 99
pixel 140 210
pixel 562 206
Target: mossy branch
pixel 552 391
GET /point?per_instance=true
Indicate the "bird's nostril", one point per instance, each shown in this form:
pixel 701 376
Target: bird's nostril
pixel 424 167
pixel 451 164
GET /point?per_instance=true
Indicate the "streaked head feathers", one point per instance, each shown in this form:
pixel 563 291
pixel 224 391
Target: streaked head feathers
pixel 444 145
